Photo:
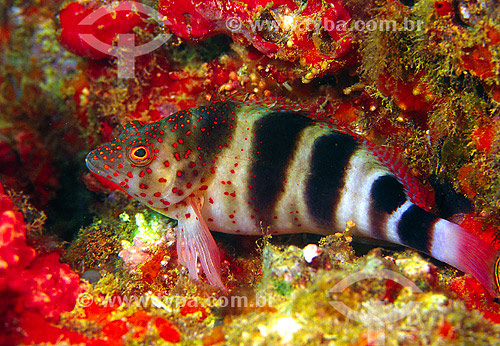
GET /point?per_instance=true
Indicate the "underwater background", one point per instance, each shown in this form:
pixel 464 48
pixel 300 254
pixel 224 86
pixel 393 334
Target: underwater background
pixel 82 263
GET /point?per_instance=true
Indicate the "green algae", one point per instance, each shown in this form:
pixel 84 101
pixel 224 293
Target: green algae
pixel 458 66
pixel 307 316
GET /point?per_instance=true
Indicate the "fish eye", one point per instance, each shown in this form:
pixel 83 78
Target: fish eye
pixel 140 155
pixel 497 275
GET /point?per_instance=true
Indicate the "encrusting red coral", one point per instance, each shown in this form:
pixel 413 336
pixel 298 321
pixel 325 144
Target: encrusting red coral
pixel 282 29
pixel 33 287
pixel 167 330
pixel 120 20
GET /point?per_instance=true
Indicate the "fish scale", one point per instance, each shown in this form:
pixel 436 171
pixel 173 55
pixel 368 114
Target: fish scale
pixel 245 167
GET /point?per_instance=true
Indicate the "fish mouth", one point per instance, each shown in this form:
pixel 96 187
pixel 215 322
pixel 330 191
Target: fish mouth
pixel 88 161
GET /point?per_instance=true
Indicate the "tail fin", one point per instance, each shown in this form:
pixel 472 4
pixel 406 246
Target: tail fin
pixel 463 250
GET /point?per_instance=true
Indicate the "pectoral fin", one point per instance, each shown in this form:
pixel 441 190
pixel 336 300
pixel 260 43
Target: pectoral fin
pixel 195 242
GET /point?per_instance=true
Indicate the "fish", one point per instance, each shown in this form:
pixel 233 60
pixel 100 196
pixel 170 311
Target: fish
pixel 242 167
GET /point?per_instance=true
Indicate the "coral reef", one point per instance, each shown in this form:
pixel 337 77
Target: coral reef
pixel 34 286
pixel 102 270
pixel 440 92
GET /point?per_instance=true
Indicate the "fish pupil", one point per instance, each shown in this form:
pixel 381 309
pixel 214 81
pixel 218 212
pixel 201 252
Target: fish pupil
pixel 140 152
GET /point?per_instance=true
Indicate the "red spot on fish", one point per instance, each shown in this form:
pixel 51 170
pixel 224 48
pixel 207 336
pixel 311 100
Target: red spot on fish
pixel 116 174
pixel 188 185
pixel 188 215
pixel 143 186
pixel 231 216
pixel 211 200
pixel 130 175
pixel 149 170
pixel 157 194
pixel 162 180
pixel 174 190
pixel 210 219
pixel 143 194
pixel 177 156
pixel 166 163
pixel 203 187
pixel 150 202
pixel 141 174
pixel 179 173
pixel 233 194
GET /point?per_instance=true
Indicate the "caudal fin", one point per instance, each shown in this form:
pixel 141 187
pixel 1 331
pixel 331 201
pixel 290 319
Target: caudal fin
pixel 421 230
pixel 463 250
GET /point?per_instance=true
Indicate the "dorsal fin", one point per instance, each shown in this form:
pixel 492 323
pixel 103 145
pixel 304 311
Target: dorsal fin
pixel 273 102
pixel 418 193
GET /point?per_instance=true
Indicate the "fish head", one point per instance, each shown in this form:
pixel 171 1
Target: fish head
pixel 138 161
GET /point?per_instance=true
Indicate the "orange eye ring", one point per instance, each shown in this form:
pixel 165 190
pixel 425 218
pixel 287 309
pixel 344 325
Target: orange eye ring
pixel 140 155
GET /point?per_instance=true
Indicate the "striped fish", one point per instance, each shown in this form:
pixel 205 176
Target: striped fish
pixel 240 167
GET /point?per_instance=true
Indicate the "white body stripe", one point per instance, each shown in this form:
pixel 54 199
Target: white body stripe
pixel 444 242
pixel 392 223
pixel 362 171
pixel 292 203
pixel 232 213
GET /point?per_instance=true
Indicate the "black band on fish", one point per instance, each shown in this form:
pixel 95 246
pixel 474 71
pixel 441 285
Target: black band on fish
pixel 213 130
pixel 387 194
pixel 415 228
pixel 330 157
pixel 275 140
